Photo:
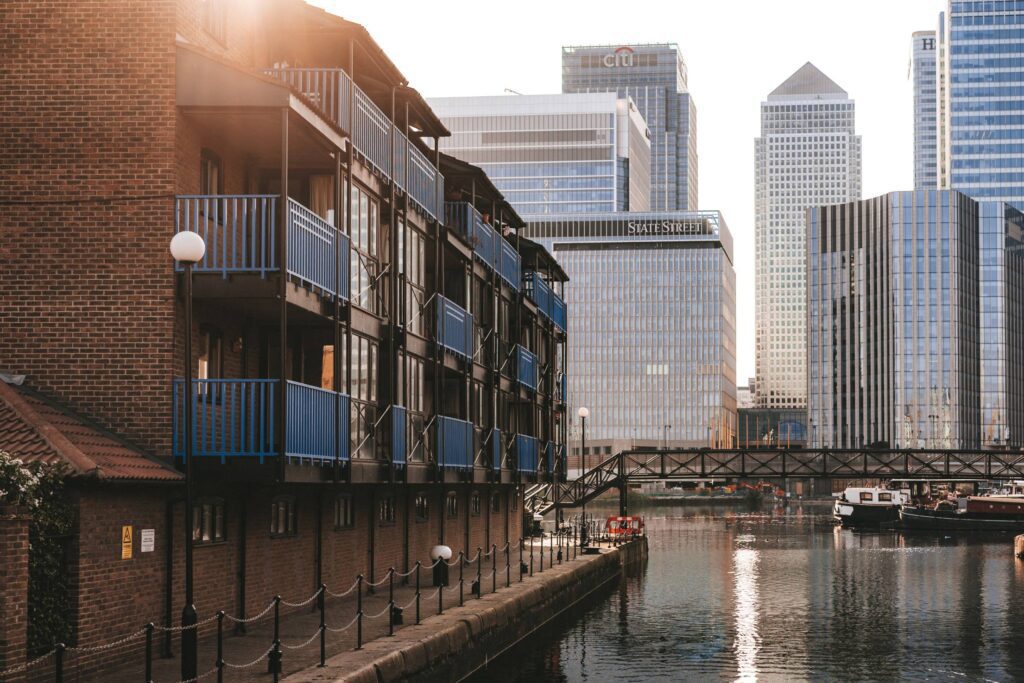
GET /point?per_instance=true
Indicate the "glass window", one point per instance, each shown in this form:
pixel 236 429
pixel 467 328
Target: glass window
pixel 452 504
pixel 208 521
pixel 474 503
pixel 344 512
pixel 283 520
pixel 422 507
pixel 386 510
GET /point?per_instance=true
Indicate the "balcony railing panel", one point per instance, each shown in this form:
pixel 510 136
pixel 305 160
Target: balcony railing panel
pixel 399 435
pixel 549 456
pixel 559 312
pixel 313 256
pixel 327 89
pixel 230 418
pixel 454 443
pixel 494 443
pixel 239 230
pixel 526 453
pixel 526 368
pixel 424 181
pixel 459 216
pixel 237 418
pixel 371 131
pixel 317 423
pixel 453 327
pixel 549 303
pixel 488 244
pixel 509 265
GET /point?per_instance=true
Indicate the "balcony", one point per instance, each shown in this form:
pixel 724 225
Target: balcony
pixel 526 453
pixel 331 92
pixel 238 417
pixel 526 368
pixel 454 443
pixel 549 303
pixel 399 435
pixel 488 244
pixel 240 232
pixel 453 327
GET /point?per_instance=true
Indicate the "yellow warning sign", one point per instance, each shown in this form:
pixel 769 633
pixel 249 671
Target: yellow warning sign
pixel 126 543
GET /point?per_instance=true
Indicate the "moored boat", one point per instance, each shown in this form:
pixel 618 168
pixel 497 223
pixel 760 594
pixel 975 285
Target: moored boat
pixel 971 513
pixel 869 506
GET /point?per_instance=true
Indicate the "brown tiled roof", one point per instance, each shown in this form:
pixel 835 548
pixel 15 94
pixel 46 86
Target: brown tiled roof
pixel 34 429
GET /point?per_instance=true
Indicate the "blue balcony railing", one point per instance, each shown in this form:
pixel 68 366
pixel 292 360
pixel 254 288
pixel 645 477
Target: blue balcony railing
pixel 549 456
pixel 237 418
pixel 494 443
pixel 399 435
pixel 526 453
pixel 488 244
pixel 240 231
pixel 526 368
pixel 313 256
pixel 332 91
pixel 317 423
pixel 549 303
pixel 454 443
pixel 453 327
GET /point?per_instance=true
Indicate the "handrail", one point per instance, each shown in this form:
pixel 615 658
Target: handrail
pixel 240 231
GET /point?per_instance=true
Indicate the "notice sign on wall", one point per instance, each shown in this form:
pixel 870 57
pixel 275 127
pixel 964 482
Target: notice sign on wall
pixel 126 543
pixel 147 540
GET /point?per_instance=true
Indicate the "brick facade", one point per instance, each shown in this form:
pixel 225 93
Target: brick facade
pixel 13 588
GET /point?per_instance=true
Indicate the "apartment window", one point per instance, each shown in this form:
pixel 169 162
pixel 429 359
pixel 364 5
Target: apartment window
pixel 386 510
pixel 364 264
pixel 215 19
pixel 211 176
pixel 211 355
pixel 496 503
pixel 421 506
pixel 282 516
pixel 474 504
pixel 344 512
pixel 208 521
pixel 452 504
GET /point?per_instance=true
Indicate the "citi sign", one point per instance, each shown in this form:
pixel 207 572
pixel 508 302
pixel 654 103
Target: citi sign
pixel 623 56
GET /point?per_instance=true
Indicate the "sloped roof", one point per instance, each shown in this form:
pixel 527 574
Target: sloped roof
pixel 36 430
pixel 807 80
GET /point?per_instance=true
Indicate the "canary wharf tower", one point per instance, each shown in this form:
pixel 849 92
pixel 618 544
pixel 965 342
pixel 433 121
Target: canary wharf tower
pixel 808 155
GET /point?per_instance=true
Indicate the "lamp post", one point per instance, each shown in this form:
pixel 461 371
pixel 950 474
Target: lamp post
pixel 584 413
pixel 188 248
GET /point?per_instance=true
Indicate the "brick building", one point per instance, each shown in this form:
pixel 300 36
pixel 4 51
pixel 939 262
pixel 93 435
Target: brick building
pixel 378 353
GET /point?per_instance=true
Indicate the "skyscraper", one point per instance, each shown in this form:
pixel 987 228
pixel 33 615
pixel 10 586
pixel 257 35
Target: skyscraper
pixel 808 154
pixel 916 322
pixel 653 301
pixel 554 154
pixel 654 76
pixel 923 73
pixel 985 108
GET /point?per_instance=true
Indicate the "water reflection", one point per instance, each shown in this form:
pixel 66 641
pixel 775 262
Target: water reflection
pixel 783 595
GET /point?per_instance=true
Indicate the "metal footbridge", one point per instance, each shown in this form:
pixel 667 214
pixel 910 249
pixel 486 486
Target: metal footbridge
pixel 707 463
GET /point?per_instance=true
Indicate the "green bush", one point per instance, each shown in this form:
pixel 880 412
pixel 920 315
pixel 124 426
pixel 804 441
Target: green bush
pixel 39 488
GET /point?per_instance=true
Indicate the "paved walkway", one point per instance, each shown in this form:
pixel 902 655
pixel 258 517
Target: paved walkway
pixel 246 655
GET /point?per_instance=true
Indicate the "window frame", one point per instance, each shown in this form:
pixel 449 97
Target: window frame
pixel 199 516
pixel 386 514
pixel 347 521
pixel 474 504
pixel 421 507
pixel 291 516
pixel 451 505
pixel 208 158
pixel 496 503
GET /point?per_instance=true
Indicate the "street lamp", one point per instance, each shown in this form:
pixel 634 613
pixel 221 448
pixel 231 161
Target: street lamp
pixel 584 413
pixel 188 248
pixel 664 436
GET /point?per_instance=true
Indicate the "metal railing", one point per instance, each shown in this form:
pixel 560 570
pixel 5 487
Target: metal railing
pixel 526 367
pixel 488 244
pixel 240 231
pixel 526 453
pixel 330 91
pixel 454 443
pixel 399 435
pixel 549 303
pixel 313 256
pixel 453 327
pixel 494 441
pixel 237 418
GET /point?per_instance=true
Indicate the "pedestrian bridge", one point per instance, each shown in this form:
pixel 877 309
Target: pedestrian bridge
pixel 760 463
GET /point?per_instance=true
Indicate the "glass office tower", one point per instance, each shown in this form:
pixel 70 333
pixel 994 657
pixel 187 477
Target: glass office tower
pixel 915 322
pixel 986 98
pixel 653 327
pixel 923 73
pixel 653 76
pixel 554 154
pixel 808 154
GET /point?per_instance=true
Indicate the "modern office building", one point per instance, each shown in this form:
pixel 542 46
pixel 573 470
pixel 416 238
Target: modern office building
pixel 916 322
pixel 554 154
pixel 373 368
pixel 653 76
pixel 985 101
pixel 923 74
pixel 653 329
pixel 808 154
pixel 942 105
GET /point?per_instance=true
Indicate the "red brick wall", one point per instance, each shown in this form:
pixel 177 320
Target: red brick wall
pixel 13 588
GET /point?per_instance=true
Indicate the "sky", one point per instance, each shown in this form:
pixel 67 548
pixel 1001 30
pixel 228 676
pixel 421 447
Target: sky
pixel 736 53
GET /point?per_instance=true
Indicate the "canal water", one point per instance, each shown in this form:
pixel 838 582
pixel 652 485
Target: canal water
pixel 780 593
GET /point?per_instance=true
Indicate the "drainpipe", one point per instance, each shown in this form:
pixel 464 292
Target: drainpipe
pixel 169 574
pixel 282 255
pixel 243 524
